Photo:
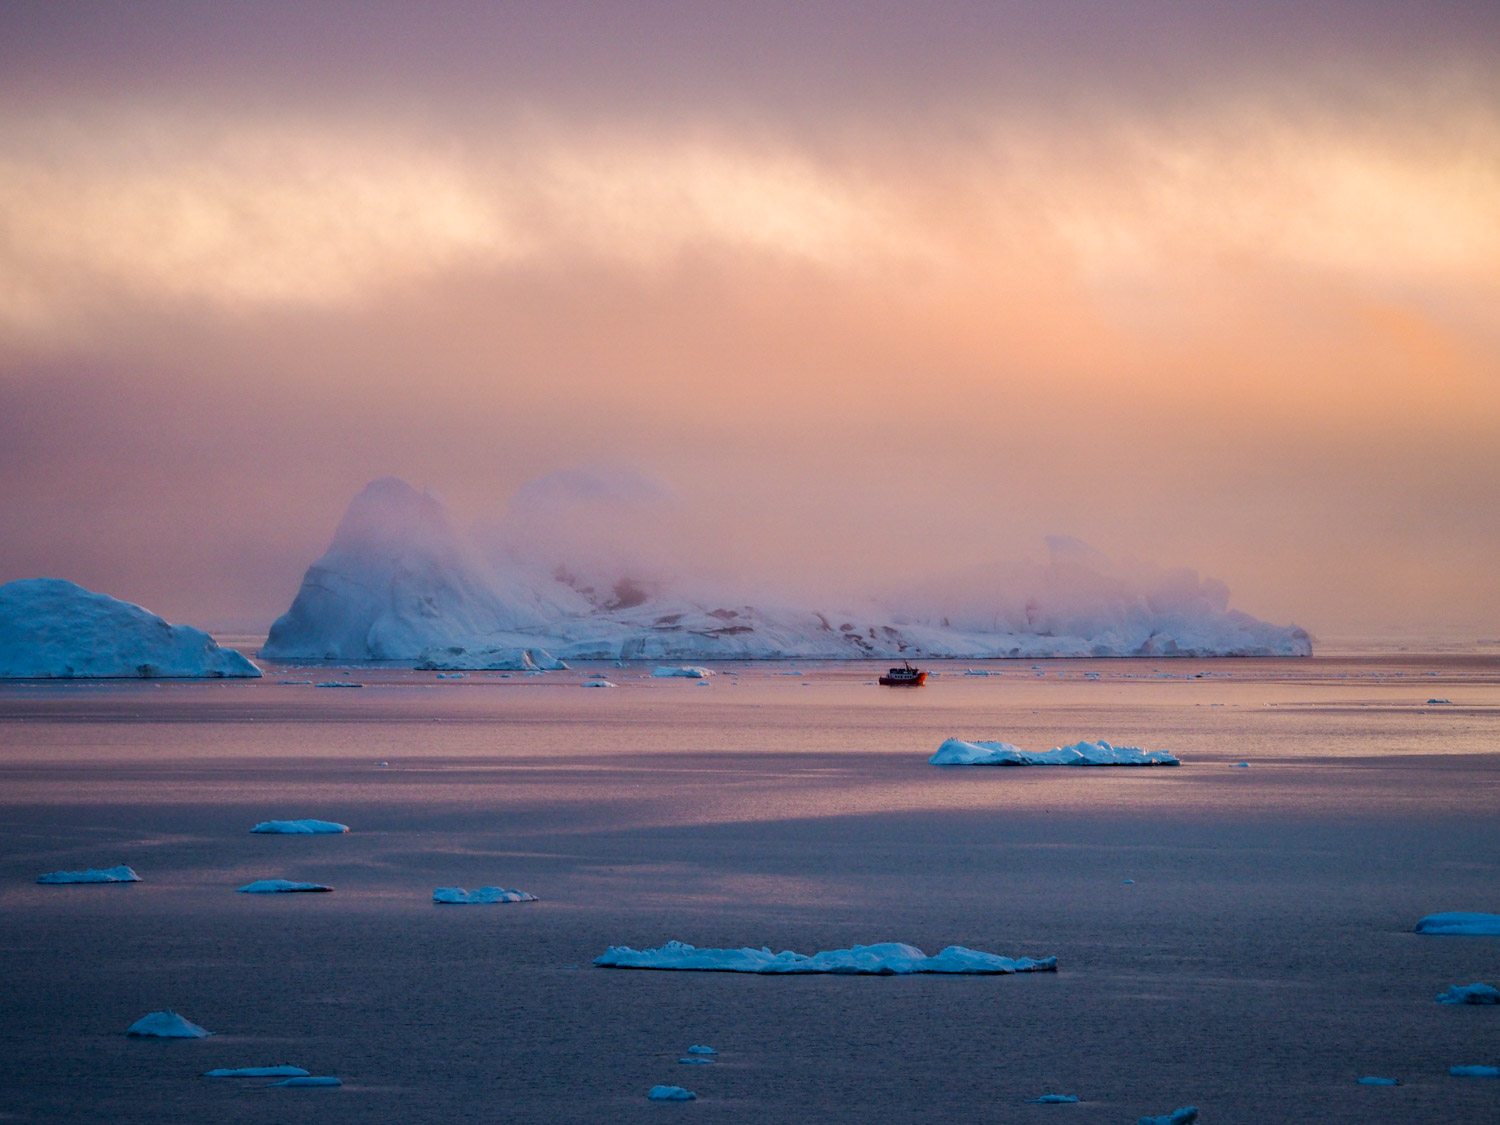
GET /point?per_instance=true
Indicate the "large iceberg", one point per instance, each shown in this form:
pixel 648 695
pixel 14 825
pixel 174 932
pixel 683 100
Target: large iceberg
pixel 957 752
pixel 299 827
pixel 121 874
pixel 1460 924
pixel 401 582
pixel 483 896
pixel 52 629
pixel 166 1025
pixel 883 959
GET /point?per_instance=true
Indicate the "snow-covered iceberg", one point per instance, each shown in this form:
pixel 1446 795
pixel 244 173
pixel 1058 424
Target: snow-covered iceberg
pixel 121 874
pixel 883 959
pixel 279 887
pixel 166 1025
pixel 1475 993
pixel 957 752
pixel 685 671
pixel 309 1080
pixel 1461 924
pixel 670 1094
pixel 299 827
pixel 1184 1116
pixel 54 629
pixel 483 896
pixel 456 658
pixel 401 582
pixel 259 1072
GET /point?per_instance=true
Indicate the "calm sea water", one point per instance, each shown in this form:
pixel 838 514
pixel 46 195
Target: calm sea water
pixel 1260 961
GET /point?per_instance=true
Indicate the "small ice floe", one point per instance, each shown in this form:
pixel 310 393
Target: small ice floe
pixel 1475 993
pixel 452 675
pixel 121 874
pixel 166 1025
pixel 1240 766
pixel 259 1072
pixel 300 827
pixel 697 1049
pixel 309 1080
pixel 459 896
pixel 1474 1071
pixel 339 683
pixel 295 683
pixel 598 683
pixel 687 672
pixel 980 672
pixel 1481 925
pixel 1373 1081
pixel 883 959
pixel 279 886
pixel 670 1094
pixel 1434 702
pixel 957 752
pixel 1053 1099
pixel 382 763
pixel 1184 1116
pixel 1128 883
pixel 695 1060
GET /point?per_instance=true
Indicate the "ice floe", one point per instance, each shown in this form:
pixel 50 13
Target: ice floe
pixel 1474 1071
pixel 884 958
pixel 121 874
pixel 494 658
pixel 54 629
pixel 279 886
pixel 670 1094
pixel 300 827
pixel 1373 1081
pixel 957 752
pixel 698 1049
pixel 339 684
pixel 1184 1116
pixel 166 1025
pixel 484 895
pixel 1475 993
pixel 1053 1099
pixel 309 1080
pixel 598 683
pixel 1461 924
pixel 259 1072
pixel 686 672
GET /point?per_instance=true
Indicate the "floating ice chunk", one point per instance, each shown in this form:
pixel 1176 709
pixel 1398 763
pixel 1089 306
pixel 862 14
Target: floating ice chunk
pixel 452 675
pixel 1474 1071
pixel 382 763
pixel 884 958
pixel 695 1060
pixel 309 1080
pixel 338 683
pixel 598 683
pixel 1470 994
pixel 1240 766
pixel 670 1094
pixel 687 672
pixel 54 629
pixel 957 752
pixel 300 827
pixel 259 1072
pixel 1184 1116
pixel 980 672
pixel 166 1025
pixel 489 658
pixel 121 874
pixel 1128 883
pixel 1433 702
pixel 1483 925
pixel 279 886
pixel 700 1050
pixel 1372 1081
pixel 295 683
pixel 458 895
pixel 1053 1099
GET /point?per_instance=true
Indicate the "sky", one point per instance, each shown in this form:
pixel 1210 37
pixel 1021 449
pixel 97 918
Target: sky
pixel 877 289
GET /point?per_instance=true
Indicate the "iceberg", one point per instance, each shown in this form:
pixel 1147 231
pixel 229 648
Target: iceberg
pixel 259 1072
pixel 54 629
pixel 883 959
pixel 670 1094
pixel 598 683
pixel 1373 1081
pixel 279 886
pixel 1184 1116
pixel 483 895
pixel 687 672
pixel 957 752
pixel 401 582
pixel 1474 1071
pixel 166 1025
pixel 1470 994
pixel 1053 1099
pixel 300 827
pixel 698 1049
pixel 308 1080
pixel 121 874
pixel 1480 925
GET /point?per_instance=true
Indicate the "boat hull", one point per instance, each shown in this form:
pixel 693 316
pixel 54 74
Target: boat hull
pixel 904 681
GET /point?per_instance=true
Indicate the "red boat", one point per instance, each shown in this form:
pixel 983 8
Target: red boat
pixel 904 677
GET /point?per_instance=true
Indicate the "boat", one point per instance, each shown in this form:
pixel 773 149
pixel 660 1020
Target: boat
pixel 904 677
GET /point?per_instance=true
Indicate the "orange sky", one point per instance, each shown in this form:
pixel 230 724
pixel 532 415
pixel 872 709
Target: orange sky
pixel 1239 315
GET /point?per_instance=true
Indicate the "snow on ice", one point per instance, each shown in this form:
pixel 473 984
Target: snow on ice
pixel 957 752
pixel 484 895
pixel 884 958
pixel 1475 993
pixel 121 874
pixel 670 1094
pixel 279 886
pixel 1482 925
pixel 166 1025
pixel 259 1072
pixel 300 827
pixel 54 629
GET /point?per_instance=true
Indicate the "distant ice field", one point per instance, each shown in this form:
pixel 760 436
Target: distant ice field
pixel 1260 962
